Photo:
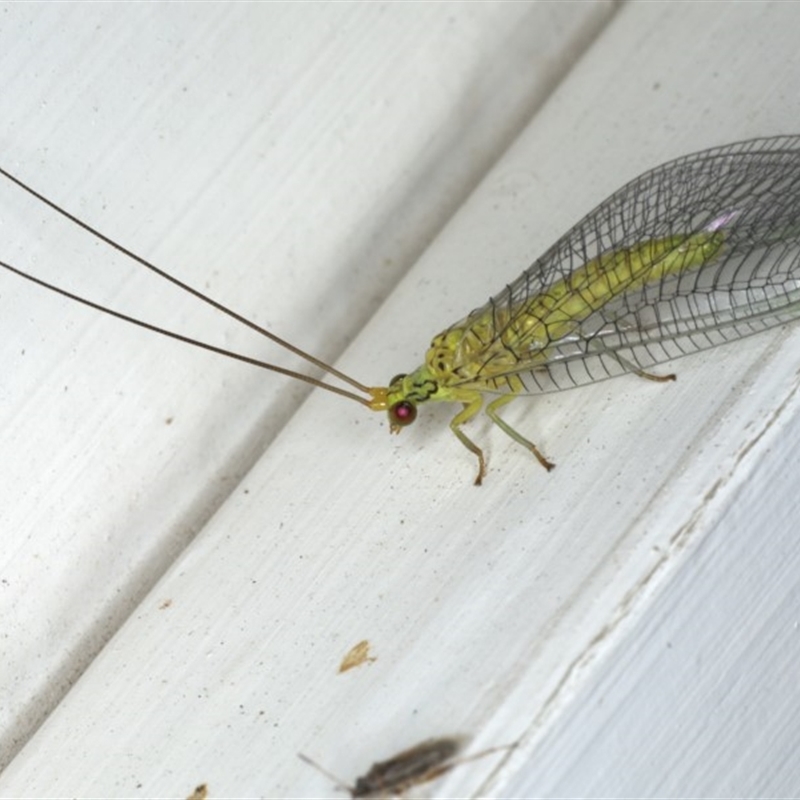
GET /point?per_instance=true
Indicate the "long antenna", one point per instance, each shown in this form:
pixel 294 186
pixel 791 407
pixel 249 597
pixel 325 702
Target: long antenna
pixel 340 784
pixel 198 294
pixel 181 338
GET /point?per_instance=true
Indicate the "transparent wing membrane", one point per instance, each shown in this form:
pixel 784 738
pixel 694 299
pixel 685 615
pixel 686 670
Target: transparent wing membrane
pixel 698 252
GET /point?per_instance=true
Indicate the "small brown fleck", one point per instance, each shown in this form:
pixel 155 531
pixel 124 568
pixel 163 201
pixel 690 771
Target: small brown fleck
pixel 356 656
pixel 200 792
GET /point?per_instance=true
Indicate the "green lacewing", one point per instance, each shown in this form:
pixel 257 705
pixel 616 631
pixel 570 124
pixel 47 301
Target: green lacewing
pixel 700 251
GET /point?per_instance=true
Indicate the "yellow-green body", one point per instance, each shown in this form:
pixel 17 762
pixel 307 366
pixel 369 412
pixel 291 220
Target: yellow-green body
pixel 490 348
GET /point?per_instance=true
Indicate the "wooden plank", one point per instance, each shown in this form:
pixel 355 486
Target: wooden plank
pixel 291 160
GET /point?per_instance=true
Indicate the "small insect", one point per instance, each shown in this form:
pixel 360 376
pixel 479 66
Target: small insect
pixel 698 252
pixel 424 762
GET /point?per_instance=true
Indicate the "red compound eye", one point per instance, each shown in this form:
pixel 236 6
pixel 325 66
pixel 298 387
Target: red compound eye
pixel 403 413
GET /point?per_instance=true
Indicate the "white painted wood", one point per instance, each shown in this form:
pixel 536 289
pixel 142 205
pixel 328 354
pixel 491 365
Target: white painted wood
pixel 490 611
pixel 291 160
pixel 699 696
